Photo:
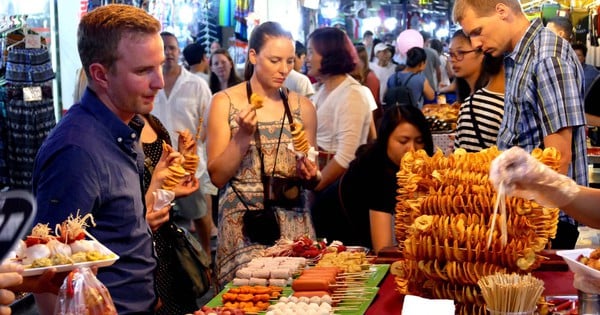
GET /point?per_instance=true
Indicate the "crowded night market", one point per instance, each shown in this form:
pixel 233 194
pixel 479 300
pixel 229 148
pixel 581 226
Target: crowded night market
pixel 334 157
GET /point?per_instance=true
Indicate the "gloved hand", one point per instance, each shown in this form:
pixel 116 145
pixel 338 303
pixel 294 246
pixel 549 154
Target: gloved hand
pixel 586 284
pixel 524 176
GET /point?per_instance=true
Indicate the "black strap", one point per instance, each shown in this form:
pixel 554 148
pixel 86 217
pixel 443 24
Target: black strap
pixel 288 112
pixel 475 124
pixel 406 81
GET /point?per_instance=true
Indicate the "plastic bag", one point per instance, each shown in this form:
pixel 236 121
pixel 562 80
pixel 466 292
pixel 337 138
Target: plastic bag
pixel 83 294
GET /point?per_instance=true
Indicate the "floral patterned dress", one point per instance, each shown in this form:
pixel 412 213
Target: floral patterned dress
pixel 234 250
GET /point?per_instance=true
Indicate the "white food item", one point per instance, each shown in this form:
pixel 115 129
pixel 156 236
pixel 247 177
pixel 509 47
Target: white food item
pixel 323 312
pixel 278 282
pixel 20 248
pixel 244 273
pixel 293 299
pixel 313 306
pixel 315 299
pixel 257 281
pixel 280 273
pixel 303 299
pixel 261 273
pixel 82 246
pixel 302 304
pixel 59 248
pixel 284 299
pixel 36 252
pixel 325 306
pixel 326 299
pixel 241 282
pixel 101 248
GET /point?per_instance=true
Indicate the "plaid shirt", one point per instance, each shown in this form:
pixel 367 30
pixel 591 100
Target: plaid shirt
pixel 544 93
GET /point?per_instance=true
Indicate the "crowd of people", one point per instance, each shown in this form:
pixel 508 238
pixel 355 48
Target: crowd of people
pixel 106 155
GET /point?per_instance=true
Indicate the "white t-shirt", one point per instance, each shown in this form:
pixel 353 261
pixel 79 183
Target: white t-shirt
pixel 343 119
pixel 383 74
pixel 187 108
pixel 299 83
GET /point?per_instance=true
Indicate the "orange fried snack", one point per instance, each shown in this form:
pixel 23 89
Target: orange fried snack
pixel 299 138
pixel 176 172
pixel 256 101
pixel 190 163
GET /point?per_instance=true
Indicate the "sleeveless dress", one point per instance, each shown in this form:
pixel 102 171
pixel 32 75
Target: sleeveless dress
pixel 234 250
pixel 174 292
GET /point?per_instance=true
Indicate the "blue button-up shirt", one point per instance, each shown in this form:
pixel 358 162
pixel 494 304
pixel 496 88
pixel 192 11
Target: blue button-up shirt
pixel 544 93
pixel 93 162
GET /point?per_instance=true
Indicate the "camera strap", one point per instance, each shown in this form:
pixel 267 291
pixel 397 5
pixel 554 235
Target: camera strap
pixel 257 133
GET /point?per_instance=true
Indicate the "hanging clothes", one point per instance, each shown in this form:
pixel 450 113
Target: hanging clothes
pixel 29 111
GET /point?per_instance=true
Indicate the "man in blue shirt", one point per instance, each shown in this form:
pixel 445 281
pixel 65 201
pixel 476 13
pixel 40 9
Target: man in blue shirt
pixel 544 88
pixel 93 161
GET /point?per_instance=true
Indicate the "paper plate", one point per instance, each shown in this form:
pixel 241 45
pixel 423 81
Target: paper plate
pixel 570 256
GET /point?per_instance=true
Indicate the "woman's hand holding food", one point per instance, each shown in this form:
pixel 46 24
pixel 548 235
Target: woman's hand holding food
pixel 524 176
pixel 247 122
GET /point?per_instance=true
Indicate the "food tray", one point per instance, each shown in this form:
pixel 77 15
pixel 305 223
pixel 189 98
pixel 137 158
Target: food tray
pixel 570 256
pixel 29 272
pixel 379 272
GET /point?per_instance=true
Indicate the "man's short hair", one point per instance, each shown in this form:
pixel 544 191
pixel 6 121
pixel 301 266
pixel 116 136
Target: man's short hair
pixel 101 30
pixel 194 53
pixel 367 33
pixel 563 24
pixel 481 7
pixel 582 47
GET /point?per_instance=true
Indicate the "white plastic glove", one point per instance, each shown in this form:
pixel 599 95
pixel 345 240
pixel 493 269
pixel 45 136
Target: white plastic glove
pixel 586 284
pixel 524 176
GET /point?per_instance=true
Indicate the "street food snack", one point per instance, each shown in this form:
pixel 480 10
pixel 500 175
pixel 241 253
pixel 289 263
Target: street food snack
pixel 256 101
pixel 299 138
pixel 188 148
pixel 176 172
pixel 444 219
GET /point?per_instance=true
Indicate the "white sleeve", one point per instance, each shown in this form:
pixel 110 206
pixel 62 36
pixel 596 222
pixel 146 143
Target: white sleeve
pixel 353 116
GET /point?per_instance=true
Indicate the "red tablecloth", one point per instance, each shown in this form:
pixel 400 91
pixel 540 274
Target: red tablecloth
pixel 388 301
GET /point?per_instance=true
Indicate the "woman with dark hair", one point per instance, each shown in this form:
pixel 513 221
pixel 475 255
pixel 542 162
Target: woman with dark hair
pixel 343 110
pixel 412 77
pixel 358 208
pixel 222 71
pixel 246 143
pixel 466 64
pixel 481 113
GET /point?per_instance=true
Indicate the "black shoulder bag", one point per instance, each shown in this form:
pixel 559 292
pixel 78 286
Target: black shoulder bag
pixel 262 225
pixel 194 261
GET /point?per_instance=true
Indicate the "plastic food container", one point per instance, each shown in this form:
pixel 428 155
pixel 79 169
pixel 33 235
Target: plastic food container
pixel 571 256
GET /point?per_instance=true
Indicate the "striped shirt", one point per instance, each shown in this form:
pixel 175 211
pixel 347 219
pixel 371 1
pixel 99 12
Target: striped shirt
pixel 479 117
pixel 544 93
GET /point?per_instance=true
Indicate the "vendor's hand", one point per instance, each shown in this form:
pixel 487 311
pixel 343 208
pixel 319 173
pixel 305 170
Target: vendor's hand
pixel 307 170
pixel 247 121
pixel 586 284
pixel 187 187
pixel 524 176
pixel 156 218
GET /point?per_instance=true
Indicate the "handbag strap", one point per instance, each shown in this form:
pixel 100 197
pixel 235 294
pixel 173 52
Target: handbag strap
pixel 475 124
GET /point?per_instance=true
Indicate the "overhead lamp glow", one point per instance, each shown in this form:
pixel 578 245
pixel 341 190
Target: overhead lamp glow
pixel 429 27
pixel 186 14
pixel 371 23
pixel 390 23
pixel 441 33
pixel 329 11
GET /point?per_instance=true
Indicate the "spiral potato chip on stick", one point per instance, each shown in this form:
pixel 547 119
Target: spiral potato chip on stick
pixel 187 147
pixel 256 101
pixel 299 138
pixel 176 172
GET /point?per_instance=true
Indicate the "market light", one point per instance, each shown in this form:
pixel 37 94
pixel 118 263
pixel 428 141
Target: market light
pixel 329 11
pixel 441 33
pixel 390 23
pixel 429 27
pixel 371 23
pixel 186 14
